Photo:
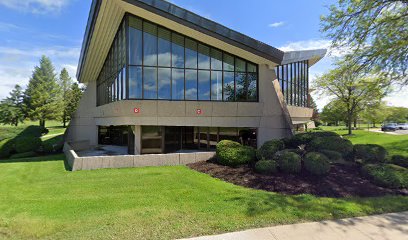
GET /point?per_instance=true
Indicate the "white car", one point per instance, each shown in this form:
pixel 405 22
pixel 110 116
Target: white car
pixel 402 126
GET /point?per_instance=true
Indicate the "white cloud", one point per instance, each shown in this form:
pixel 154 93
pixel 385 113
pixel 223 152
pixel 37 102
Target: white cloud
pixel 276 24
pixel 56 51
pixel 8 26
pixel 36 6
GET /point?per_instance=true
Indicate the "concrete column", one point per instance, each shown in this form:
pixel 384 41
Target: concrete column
pixel 138 140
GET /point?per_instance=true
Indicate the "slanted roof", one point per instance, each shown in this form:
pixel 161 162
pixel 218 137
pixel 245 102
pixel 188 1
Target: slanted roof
pixel 191 20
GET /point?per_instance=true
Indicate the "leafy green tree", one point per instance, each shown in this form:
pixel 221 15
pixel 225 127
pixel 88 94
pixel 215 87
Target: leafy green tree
pixel 12 108
pixel 397 115
pixel 74 96
pixel 316 114
pixel 334 113
pixel 65 82
pixel 351 88
pixel 375 31
pixel 375 112
pixel 43 95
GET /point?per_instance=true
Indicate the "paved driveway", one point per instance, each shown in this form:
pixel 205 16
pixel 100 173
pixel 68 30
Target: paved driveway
pixel 398 132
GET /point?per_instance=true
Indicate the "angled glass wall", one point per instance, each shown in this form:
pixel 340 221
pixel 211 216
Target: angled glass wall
pixel 155 63
pixel 294 82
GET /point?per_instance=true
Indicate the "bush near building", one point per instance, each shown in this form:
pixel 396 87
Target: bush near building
pixel 370 153
pixel 269 148
pixel 400 160
pixel 266 167
pixel 288 162
pixel 337 144
pixel 317 163
pixel 233 154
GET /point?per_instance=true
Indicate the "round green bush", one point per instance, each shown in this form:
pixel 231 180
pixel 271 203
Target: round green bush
pixel 333 156
pixel 337 144
pixel 316 163
pixel 305 138
pixel 269 148
pixel 386 175
pixel 27 144
pixel 400 160
pixel 288 162
pixel 6 148
pixel 266 167
pixel 233 154
pixel 370 153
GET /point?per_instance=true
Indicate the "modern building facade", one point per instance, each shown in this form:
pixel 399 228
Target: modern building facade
pixel 161 79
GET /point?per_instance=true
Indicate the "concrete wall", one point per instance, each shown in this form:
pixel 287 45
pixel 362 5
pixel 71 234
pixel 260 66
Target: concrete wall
pixel 130 161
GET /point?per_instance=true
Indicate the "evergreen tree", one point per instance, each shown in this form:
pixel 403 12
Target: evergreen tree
pixel 66 84
pixel 43 94
pixel 74 97
pixel 12 109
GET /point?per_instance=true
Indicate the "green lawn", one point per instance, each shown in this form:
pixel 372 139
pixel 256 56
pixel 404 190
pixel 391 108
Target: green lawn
pixel 40 199
pixel 395 144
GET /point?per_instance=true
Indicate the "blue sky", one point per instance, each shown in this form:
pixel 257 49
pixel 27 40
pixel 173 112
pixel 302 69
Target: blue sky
pixel 30 28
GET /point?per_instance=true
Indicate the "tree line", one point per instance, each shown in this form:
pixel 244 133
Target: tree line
pixel 47 97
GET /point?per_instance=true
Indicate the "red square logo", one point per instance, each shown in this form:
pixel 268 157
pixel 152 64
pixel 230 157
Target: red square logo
pixel 199 111
pixel 136 110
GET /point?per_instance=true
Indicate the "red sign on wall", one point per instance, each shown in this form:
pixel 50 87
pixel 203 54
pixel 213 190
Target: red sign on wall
pixel 136 110
pixel 199 111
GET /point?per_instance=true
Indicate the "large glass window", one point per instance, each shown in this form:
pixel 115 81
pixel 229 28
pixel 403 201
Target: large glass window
pixel 294 81
pixel 147 61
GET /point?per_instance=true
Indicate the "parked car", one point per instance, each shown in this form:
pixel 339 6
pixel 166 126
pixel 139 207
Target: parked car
pixel 402 126
pixel 389 127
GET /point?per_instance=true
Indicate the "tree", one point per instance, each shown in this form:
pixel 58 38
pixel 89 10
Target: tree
pixel 375 112
pixel 397 115
pixel 354 90
pixel 333 113
pixel 12 109
pixel 74 97
pixel 66 83
pixel 376 32
pixel 316 114
pixel 43 95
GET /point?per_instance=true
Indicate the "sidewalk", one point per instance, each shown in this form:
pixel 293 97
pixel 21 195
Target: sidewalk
pixel 392 226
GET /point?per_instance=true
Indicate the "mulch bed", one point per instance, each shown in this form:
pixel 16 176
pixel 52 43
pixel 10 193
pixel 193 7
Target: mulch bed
pixel 342 181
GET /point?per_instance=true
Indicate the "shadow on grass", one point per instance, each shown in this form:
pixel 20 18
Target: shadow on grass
pixel 48 158
pixel 397 147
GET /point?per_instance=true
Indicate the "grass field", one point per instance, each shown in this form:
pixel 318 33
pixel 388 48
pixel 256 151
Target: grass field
pixel 40 199
pixel 395 144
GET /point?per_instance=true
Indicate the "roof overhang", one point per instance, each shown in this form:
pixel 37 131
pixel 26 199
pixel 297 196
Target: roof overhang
pixel 106 15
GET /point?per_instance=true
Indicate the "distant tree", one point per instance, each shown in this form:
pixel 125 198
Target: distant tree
pixel 43 95
pixel 334 113
pixel 397 115
pixel 316 114
pixel 65 83
pixel 74 96
pixel 12 108
pixel 352 89
pixel 376 32
pixel 375 112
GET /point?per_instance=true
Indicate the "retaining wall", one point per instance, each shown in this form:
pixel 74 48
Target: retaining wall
pixel 129 161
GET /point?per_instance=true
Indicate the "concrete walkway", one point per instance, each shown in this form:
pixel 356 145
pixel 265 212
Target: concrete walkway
pixel 392 226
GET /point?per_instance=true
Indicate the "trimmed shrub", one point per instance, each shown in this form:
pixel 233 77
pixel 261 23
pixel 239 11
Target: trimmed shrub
pixel 23 155
pixel 27 144
pixel 288 162
pixel 266 167
pixel 306 138
pixel 316 163
pixel 269 148
pixel 333 156
pixel 6 148
pixel 233 154
pixel 387 175
pixel 370 153
pixel 52 145
pixel 400 160
pixel 337 144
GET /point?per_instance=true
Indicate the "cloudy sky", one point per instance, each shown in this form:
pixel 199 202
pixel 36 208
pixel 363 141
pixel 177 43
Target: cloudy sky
pixel 31 28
